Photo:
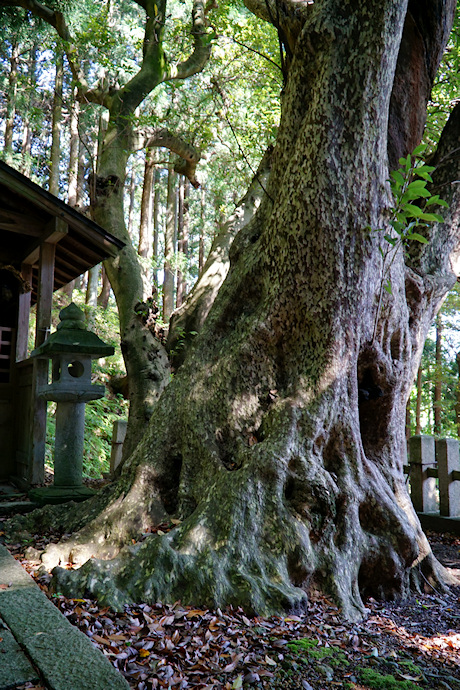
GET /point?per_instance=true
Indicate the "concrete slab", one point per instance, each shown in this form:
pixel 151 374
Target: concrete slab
pixel 15 668
pixel 65 657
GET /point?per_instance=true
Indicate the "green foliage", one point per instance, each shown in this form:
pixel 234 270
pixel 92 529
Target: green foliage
pixel 409 213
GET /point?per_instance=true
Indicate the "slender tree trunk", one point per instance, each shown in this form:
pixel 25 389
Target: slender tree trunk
pixel 145 228
pixel 145 358
pixel 56 126
pixel 27 128
pixel 182 243
pixel 91 295
pixel 457 406
pixel 80 176
pixel 408 420
pixel 132 197
pixel 437 400
pixel 156 227
pixel 74 147
pixel 11 102
pixel 170 229
pixel 418 404
pixel 104 295
pixel 202 233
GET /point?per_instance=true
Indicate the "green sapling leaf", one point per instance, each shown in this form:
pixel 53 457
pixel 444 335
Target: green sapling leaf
pixel 417 237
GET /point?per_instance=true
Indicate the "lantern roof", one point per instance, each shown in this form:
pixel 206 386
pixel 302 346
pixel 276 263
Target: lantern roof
pixel 72 336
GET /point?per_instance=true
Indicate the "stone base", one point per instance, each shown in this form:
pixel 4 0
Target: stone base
pixel 60 494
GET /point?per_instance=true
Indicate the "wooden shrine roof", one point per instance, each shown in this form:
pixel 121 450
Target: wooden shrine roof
pixel 27 218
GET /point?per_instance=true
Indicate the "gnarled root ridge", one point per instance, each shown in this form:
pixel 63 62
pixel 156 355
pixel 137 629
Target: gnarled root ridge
pixel 260 538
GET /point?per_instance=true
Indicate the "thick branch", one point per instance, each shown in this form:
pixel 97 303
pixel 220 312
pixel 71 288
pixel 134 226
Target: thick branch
pixel 426 31
pixel 288 17
pixel 201 47
pixel 163 137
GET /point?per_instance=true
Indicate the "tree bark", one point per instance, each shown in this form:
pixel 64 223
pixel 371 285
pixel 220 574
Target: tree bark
pixel 156 228
pixel 170 231
pixel 103 297
pixel 457 406
pixel 202 233
pixel 27 128
pixel 418 404
pixel 11 103
pixel 74 147
pixel 437 398
pixel 55 156
pixel 279 444
pixel 145 247
pixel 91 295
pixel 182 241
pixel 132 190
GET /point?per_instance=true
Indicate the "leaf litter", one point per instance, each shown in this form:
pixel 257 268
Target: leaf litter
pixel 400 645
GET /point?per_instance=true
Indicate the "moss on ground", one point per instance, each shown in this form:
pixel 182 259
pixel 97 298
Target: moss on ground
pixel 377 681
pixel 309 647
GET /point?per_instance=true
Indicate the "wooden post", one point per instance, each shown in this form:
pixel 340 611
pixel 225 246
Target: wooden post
pixel 44 303
pixel 423 486
pixel 447 456
pixel 22 338
pixel 56 230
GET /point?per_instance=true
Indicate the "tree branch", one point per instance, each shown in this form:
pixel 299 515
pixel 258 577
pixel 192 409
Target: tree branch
pixel 189 155
pixel 201 49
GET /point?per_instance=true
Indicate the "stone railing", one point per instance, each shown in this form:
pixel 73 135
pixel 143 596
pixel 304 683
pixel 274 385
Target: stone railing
pixel 434 474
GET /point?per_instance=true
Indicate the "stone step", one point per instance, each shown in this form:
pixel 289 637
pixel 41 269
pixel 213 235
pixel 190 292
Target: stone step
pixel 64 656
pixel 15 667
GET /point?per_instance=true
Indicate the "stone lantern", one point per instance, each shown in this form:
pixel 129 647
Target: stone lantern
pixel 71 348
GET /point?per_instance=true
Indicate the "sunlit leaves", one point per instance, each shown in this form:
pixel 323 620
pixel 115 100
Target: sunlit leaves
pixel 408 217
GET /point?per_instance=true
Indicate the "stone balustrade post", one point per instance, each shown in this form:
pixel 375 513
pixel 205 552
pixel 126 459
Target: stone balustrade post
pixel 423 487
pixel 448 459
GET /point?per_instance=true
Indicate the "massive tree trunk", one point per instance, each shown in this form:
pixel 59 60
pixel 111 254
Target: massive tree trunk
pixel 279 445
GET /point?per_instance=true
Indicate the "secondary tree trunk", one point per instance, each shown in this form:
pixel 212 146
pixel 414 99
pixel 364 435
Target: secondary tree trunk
pixel 56 126
pixel 29 96
pixel 279 444
pixel 457 406
pixel 145 247
pixel 418 403
pixel 11 103
pixel 170 229
pixel 182 240
pixel 437 399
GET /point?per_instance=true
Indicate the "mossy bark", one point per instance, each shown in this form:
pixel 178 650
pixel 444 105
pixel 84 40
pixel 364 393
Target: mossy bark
pixel 279 445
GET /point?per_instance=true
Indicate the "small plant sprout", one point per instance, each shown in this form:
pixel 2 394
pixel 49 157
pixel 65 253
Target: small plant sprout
pixel 409 213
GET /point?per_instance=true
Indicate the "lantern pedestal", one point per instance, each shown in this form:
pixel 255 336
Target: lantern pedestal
pixel 71 349
pixel 68 458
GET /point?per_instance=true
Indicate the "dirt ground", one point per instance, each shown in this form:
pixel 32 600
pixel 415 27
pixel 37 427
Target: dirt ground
pixel 400 645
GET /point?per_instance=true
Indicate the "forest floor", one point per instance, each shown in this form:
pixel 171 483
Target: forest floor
pixel 400 645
